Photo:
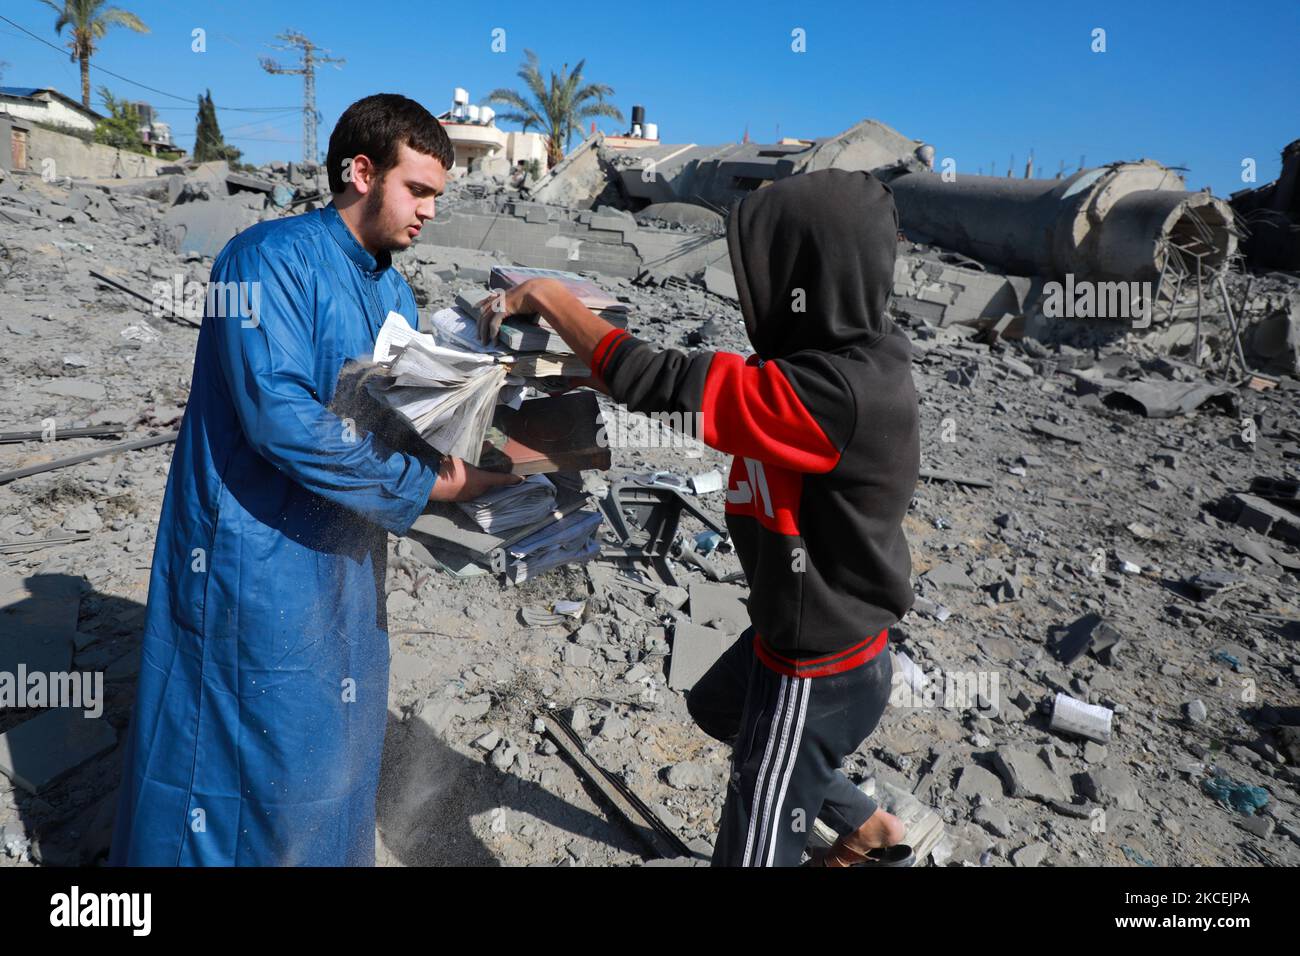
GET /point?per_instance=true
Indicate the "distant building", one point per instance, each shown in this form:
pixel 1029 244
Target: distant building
pixel 154 133
pixel 45 105
pixel 641 134
pixel 480 146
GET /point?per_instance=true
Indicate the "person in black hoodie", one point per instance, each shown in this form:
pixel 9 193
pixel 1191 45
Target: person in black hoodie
pixel 822 421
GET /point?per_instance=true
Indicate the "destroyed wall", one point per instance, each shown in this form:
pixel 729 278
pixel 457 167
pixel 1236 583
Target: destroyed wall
pixel 715 176
pixel 607 241
pixel 73 157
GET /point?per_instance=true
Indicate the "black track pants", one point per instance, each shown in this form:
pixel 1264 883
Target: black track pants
pixel 789 736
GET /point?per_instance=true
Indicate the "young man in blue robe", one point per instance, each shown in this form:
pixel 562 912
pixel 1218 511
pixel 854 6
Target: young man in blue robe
pixel 261 709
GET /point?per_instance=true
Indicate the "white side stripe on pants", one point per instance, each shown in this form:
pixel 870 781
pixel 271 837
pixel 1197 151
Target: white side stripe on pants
pixel 766 786
pixel 777 819
pixel 762 769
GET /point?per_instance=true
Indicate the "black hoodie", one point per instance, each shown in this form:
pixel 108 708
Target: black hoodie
pixel 822 420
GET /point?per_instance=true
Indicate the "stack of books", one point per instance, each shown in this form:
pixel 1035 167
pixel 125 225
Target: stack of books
pixel 520 531
pixel 532 346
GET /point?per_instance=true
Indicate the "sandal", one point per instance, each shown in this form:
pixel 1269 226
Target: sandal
pixel 900 854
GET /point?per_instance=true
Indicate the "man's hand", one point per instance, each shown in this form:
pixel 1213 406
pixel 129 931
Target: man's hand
pixel 460 481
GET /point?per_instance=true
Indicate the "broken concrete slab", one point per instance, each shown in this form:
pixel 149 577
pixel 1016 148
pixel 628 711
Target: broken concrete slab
pixel 1028 775
pixel 238 181
pixel 1111 786
pixel 976 783
pixel 1256 514
pixel 1089 632
pixel 1048 429
pixel 721 282
pixel 949 575
pixel 39 751
pixel 1157 399
pixel 694 651
pixel 722 606
pixel 75 388
pixel 575 181
pixel 204 227
pixel 684 214
pixel 994 820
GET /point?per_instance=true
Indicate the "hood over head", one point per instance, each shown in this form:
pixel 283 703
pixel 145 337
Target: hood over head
pixel 832 234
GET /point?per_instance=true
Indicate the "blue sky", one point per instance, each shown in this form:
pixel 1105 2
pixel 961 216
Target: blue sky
pixel 1196 84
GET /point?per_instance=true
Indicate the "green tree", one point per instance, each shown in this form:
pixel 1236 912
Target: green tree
pixel 556 111
pixel 121 128
pixel 208 142
pixel 89 20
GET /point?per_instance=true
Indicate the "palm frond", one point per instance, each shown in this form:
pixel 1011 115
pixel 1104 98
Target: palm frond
pixel 117 17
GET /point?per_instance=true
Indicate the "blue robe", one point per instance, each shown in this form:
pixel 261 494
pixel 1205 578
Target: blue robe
pixel 262 701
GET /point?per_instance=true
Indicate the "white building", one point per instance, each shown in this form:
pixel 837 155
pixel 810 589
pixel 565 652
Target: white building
pixel 46 106
pixel 154 133
pixel 479 145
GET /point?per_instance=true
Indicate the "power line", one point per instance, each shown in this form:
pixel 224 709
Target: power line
pixel 145 86
pixel 242 109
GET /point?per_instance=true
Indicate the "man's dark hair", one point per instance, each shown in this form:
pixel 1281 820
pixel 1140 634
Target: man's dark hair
pixel 376 126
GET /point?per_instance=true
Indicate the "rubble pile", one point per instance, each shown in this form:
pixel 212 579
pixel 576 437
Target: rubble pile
pixel 1100 667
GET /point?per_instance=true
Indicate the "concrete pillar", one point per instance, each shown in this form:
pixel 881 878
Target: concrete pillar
pixel 1105 223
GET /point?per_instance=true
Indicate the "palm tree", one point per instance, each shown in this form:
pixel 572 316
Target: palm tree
pixel 557 111
pixel 89 20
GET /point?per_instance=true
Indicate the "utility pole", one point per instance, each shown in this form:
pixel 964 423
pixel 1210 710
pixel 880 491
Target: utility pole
pixel 310 57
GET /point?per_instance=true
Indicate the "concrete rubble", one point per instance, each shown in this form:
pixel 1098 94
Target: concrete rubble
pixel 1113 222
pixel 1104 518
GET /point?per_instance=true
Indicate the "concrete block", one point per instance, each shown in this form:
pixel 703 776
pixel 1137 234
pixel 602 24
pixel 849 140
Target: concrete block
pixel 205 226
pixel 74 388
pixel 1028 775
pixel 720 282
pixel 615 220
pixel 719 605
pixel 39 751
pixel 1111 786
pixel 949 575
pixel 695 649
pixel 974 781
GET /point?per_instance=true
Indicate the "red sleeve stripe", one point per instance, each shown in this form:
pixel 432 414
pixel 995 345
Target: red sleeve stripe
pixel 605 348
pixel 753 411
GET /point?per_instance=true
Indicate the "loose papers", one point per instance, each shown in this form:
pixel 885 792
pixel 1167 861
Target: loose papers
pixel 446 393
